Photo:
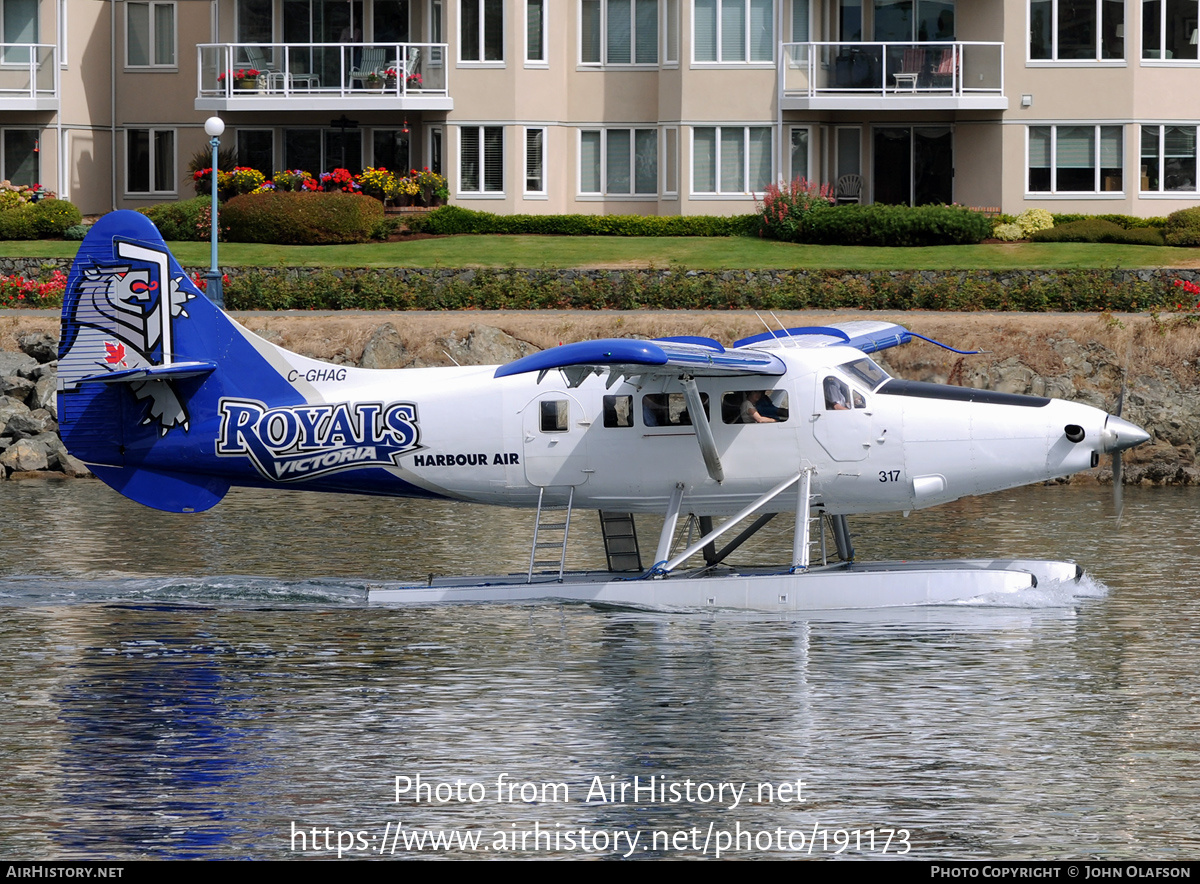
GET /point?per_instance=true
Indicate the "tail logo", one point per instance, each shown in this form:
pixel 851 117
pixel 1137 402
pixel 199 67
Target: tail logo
pixel 296 442
pixel 120 317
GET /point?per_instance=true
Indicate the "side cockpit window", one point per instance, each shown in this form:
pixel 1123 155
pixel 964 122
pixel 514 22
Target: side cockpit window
pixel 618 411
pixel 867 371
pixel 837 395
pixel 555 416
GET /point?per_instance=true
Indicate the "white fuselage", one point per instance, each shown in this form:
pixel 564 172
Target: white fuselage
pixel 500 441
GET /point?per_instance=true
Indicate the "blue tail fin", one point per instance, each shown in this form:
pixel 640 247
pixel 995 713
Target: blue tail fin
pixel 137 385
pixel 170 402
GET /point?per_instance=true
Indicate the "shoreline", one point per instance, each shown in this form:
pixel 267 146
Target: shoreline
pixel 1077 356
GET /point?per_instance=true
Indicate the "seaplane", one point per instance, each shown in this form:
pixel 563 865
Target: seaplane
pixel 172 403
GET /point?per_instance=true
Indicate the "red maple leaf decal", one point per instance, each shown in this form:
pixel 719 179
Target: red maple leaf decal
pixel 116 353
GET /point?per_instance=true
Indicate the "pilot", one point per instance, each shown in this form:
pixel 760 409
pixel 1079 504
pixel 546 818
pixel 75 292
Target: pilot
pixel 836 395
pixel 756 407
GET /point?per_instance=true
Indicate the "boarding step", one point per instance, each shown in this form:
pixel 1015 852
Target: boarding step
pixel 550 530
pixel 620 541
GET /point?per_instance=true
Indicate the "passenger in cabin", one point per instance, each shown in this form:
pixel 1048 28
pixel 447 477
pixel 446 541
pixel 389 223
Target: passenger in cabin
pixel 757 408
pixel 837 395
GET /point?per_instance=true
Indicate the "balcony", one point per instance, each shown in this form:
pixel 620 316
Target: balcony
pixel 322 76
pixel 28 77
pixel 892 76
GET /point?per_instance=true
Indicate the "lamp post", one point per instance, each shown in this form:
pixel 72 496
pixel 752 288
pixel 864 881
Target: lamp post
pixel 214 127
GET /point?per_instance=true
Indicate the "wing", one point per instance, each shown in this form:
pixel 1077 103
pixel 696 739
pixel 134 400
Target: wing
pixel 869 336
pixel 626 357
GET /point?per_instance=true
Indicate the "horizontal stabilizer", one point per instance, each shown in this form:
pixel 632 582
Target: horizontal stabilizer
pixel 164 489
pixel 175 371
pixel 625 356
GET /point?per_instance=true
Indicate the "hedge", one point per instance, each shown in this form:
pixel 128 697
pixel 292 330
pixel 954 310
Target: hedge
pixel 301 218
pixel 40 220
pixel 880 225
pixel 1092 290
pixel 1099 230
pixel 457 220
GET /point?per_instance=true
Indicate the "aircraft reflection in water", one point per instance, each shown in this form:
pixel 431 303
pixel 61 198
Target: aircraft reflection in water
pixel 171 403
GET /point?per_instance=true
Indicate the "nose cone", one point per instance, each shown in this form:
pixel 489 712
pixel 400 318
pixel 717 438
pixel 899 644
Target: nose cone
pixel 1120 434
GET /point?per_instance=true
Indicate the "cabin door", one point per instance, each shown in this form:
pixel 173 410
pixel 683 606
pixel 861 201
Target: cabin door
pixel 554 429
pixel 844 425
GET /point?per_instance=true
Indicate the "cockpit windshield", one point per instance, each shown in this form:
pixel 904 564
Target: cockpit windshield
pixel 866 371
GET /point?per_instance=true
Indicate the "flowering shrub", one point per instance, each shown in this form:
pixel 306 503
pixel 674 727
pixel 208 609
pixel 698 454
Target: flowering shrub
pixel 202 182
pixel 1008 232
pixel 17 291
pixel 379 183
pixel 245 180
pixel 414 81
pixel 783 208
pixel 201 282
pixel 291 179
pixel 339 181
pixel 1194 290
pixel 1032 220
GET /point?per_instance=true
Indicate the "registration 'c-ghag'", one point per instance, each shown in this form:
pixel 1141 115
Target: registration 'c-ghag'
pixel 171 403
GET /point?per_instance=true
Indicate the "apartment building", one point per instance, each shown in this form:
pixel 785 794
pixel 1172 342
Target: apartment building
pixel 629 106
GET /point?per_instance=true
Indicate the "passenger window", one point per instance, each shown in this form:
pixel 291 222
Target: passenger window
pixel 618 411
pixel 754 407
pixel 555 416
pixel 669 409
pixel 837 395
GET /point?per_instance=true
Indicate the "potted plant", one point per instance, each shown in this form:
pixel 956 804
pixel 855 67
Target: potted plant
pixel 390 79
pixel 244 79
pixel 375 81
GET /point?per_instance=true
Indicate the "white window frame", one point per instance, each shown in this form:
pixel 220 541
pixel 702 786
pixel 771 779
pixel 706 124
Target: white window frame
pixel 481 145
pixel 603 61
pixel 1054 60
pixel 153 142
pixel 1097 192
pixel 151 12
pixel 62 33
pixel 747 193
pixel 634 194
pixel 544 61
pixel 14 55
pixel 1159 60
pixel 541 193
pixel 1160 193
pixel 744 38
pixel 481 62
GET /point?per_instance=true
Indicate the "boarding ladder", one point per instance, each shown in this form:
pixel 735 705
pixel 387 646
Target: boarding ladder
pixel 620 542
pixel 550 534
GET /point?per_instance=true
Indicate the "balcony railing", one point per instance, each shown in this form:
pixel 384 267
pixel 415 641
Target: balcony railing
pixel 956 72
pixel 28 76
pixel 246 73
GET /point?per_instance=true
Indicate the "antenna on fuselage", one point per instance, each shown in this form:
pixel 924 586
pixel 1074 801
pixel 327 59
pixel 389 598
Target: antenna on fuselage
pixel 786 332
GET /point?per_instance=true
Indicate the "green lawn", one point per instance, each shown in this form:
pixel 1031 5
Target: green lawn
pixel 732 253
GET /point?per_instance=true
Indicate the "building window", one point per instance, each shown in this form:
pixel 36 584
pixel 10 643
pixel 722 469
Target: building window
pixel 21 156
pixel 1169 30
pixel 618 32
pixel 670 162
pixel 389 21
pixel 731 159
pixel 798 153
pixel 734 31
pixel 1075 159
pixel 535 162
pixel 800 20
pixel 481 159
pixel 535 32
pixel 256 149
pixel 671 32
pixel 1168 159
pixel 20 25
pixel 151 31
pixel 618 162
pixel 389 150
pixel 1076 30
pixel 150 161
pixel 481 24
pixel 318 150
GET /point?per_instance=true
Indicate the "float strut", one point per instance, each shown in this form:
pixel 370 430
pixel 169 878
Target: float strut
pixel 841 537
pixel 710 551
pixel 800 537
